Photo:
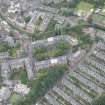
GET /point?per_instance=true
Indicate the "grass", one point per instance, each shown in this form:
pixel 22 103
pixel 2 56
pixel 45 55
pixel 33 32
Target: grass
pixel 13 52
pixel 15 98
pixel 84 6
pixel 99 18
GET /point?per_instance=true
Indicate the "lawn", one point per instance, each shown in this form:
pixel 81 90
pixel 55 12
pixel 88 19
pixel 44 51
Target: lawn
pixel 13 52
pixel 99 19
pixel 84 6
pixel 15 98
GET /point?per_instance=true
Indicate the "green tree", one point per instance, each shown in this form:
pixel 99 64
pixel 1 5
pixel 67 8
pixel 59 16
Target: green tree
pixel 45 80
pixel 27 19
pixel 100 100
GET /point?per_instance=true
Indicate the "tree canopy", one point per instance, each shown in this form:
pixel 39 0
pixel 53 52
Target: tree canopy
pixel 100 100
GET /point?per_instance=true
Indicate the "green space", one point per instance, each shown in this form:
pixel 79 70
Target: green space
pixel 84 6
pixel 27 19
pixel 96 2
pixel 15 98
pixel 99 100
pixel 49 32
pixel 20 74
pixel 98 19
pixel 58 49
pixel 84 39
pixel 4 47
pixel 45 80
pixel 12 52
pixel 67 12
pixel 64 3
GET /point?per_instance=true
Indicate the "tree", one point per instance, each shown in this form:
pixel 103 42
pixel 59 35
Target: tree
pixel 45 80
pixel 27 19
pixel 100 100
